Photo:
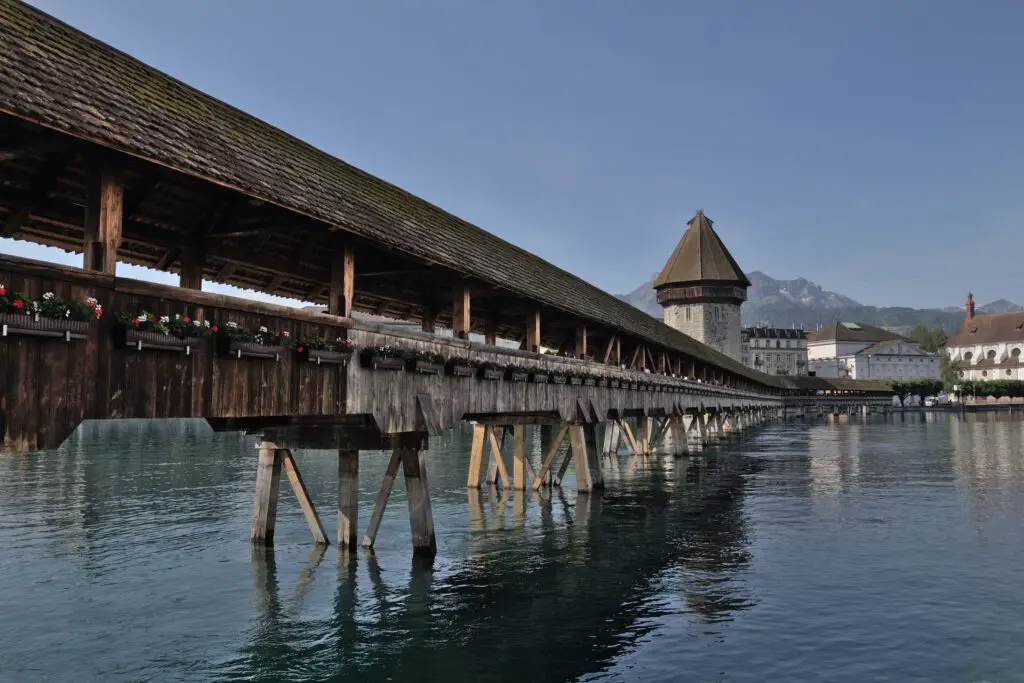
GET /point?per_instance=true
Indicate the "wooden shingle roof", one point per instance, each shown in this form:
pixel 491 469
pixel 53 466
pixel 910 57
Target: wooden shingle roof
pixel 58 77
pixel 700 256
pixel 852 332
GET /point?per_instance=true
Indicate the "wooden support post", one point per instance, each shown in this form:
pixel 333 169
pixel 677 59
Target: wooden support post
pixel 546 439
pixel 104 209
pixel 476 455
pixel 192 261
pixel 611 439
pixel 564 466
pixel 644 434
pixel 637 354
pixel 519 457
pixel 268 485
pixel 421 518
pixel 428 319
pixel 609 349
pixel 549 459
pixel 316 527
pixel 618 350
pixel 343 282
pixel 382 498
pixel 491 331
pixel 461 322
pixel 348 497
pixel 581 341
pixel 498 462
pixel 593 456
pixel 533 332
pixel 631 444
pixel 578 443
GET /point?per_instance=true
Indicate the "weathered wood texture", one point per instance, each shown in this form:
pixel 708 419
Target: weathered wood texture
pixel 47 386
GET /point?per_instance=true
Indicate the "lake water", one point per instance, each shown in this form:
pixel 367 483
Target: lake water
pixel 860 551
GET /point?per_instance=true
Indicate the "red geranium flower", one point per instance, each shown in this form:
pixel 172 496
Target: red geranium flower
pixel 214 328
pixel 135 321
pixel 3 290
pixel 299 349
pixel 187 321
pixel 19 304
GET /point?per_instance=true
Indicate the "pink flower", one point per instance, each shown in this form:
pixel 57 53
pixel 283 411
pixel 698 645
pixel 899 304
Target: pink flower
pixel 214 328
pixel 187 321
pixel 3 290
pixel 299 349
pixel 19 304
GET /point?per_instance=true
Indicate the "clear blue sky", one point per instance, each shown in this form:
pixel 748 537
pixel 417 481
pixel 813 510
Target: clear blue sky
pixel 875 147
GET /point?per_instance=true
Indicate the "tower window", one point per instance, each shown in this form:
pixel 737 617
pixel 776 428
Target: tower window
pixel 687 314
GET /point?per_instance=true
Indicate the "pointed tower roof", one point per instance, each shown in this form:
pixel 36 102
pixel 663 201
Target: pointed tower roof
pixel 701 257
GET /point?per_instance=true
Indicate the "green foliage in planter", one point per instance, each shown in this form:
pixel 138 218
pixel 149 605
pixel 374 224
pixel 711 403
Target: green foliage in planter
pixel 48 306
pixel 240 333
pixel 339 345
pixel 178 326
pixel 424 356
pixel 384 351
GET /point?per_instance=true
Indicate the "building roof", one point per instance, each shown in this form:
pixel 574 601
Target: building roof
pixel 700 256
pixel 852 332
pixel 989 329
pixel 814 383
pixel 894 347
pixel 774 333
pixel 58 77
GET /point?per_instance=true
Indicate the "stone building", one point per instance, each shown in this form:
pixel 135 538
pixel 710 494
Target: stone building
pixel 988 347
pixel 702 288
pixel 860 351
pixel 775 350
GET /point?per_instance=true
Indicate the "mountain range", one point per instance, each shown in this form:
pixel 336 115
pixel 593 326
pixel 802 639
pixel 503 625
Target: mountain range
pixel 802 303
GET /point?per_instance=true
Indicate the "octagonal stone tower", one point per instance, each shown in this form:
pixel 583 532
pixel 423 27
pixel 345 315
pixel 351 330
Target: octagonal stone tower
pixel 702 288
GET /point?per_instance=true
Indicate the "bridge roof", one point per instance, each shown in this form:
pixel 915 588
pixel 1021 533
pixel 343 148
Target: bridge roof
pixel 58 77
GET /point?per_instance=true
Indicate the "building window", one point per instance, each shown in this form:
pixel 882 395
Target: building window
pixel 984 373
pixel 1015 353
pixel 687 314
pixel 968 356
pixel 991 355
pixel 1009 373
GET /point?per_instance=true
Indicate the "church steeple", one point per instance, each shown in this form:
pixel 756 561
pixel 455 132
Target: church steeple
pixel 969 306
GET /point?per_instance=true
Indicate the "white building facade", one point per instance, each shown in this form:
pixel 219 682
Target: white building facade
pixel 988 347
pixel 775 350
pixel 859 351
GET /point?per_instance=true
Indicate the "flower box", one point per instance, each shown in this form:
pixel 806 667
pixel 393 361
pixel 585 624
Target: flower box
pixel 539 378
pixel 576 380
pixel 456 370
pixel 326 357
pixel 383 362
pixel 589 382
pixel 632 386
pixel 518 376
pixel 558 379
pixel 237 349
pixel 603 382
pixel 491 374
pixel 38 326
pixel 614 384
pixel 142 340
pixel 424 367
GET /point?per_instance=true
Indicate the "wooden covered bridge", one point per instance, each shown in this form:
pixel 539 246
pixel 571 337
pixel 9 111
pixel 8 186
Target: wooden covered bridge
pixel 105 156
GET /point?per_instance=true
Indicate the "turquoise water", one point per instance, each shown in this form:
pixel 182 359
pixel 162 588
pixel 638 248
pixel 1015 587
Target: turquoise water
pixel 886 550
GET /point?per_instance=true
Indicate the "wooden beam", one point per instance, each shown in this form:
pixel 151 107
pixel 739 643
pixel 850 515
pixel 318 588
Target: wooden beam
pixel 103 220
pixel 192 261
pixel 421 517
pixel 44 185
pixel 348 497
pixel 226 271
pixel 32 148
pixel 316 527
pixel 476 456
pixel 268 485
pixel 581 340
pixel 274 283
pixel 610 348
pixel 618 350
pixel 491 331
pixel 382 497
pixel 549 459
pixel 461 320
pixel 342 284
pixel 496 454
pixel 636 354
pixel 533 332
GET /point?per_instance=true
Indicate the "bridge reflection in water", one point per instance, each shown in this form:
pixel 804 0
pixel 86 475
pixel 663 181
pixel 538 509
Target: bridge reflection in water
pixel 552 587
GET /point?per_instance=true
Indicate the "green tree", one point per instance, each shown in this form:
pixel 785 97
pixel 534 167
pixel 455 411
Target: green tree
pixel 950 371
pixel 920 334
